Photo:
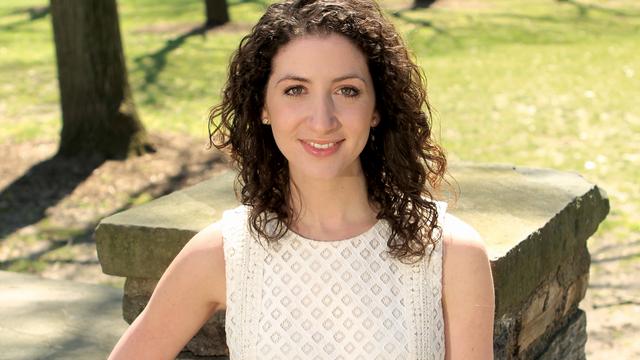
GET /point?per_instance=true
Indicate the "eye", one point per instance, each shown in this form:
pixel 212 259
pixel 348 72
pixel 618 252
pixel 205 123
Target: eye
pixel 294 90
pixel 349 91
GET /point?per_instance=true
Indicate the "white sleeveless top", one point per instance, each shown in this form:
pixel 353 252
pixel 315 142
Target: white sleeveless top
pixel 347 299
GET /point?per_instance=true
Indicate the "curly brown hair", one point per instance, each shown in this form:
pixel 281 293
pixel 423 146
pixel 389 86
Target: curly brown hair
pixel 400 158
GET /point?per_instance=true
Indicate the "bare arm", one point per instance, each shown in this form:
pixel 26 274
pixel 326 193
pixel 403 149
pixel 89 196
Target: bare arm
pixel 190 291
pixel 468 298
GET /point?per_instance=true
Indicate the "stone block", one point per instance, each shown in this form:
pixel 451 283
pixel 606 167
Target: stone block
pixel 137 292
pixel 533 220
pixel 576 293
pixel 505 343
pixel 569 342
pixel 540 314
pixel 142 241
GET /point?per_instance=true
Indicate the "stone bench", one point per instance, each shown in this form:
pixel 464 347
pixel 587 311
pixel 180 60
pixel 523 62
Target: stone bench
pixel 535 222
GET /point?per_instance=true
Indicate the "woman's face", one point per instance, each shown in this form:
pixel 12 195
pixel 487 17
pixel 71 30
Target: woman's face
pixel 320 102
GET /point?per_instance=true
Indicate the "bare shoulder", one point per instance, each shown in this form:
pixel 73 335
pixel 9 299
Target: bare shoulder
pixel 460 237
pixel 467 292
pixel 465 253
pixel 204 254
pixel 206 240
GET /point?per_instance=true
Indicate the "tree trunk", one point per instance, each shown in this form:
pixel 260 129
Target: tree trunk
pixel 423 3
pixel 217 12
pixel 98 113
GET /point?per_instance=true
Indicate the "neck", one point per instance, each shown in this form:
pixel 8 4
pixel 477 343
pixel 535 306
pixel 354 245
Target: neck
pixel 331 209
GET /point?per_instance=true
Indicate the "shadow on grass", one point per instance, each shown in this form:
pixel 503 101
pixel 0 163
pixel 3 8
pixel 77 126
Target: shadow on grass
pixel 598 256
pixel 616 303
pixel 483 30
pixel 440 34
pixel 616 258
pixel 539 19
pixel 82 236
pixel 400 15
pixel 24 202
pixel 585 9
pixel 34 13
pixel 153 64
pixel 601 256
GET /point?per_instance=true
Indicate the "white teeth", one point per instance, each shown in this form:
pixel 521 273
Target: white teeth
pixel 321 146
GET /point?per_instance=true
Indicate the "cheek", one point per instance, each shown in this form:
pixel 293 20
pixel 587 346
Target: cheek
pixel 281 136
pixel 358 118
pixel 287 112
pixel 359 108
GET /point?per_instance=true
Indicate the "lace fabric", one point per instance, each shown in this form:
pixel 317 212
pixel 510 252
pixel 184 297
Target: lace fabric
pixel 348 299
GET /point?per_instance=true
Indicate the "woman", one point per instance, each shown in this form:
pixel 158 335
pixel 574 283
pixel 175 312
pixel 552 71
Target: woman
pixel 339 250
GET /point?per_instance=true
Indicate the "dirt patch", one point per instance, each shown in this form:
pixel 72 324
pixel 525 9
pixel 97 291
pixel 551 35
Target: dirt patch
pixel 50 206
pixel 612 302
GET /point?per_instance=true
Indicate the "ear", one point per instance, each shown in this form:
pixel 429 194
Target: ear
pixel 375 119
pixel 265 116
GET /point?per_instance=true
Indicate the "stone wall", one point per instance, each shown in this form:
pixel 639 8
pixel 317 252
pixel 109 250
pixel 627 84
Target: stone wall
pixel 535 222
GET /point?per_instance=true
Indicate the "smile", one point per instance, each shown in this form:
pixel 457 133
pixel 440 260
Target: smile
pixel 321 148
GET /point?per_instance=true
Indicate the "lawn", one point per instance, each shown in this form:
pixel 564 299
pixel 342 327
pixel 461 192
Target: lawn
pixel 537 83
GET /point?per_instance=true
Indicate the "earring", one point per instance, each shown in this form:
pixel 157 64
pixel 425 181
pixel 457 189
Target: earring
pixel 265 121
pixel 374 123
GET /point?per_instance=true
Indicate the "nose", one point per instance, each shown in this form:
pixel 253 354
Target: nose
pixel 323 119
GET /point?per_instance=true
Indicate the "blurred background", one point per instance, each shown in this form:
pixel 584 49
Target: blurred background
pixel 535 83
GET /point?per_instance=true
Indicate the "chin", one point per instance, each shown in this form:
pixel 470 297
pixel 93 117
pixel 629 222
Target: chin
pixel 320 175
pixel 326 173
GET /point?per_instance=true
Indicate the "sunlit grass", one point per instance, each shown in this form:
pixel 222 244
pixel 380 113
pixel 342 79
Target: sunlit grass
pixel 534 83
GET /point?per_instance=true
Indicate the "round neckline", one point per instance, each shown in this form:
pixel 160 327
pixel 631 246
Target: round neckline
pixel 370 230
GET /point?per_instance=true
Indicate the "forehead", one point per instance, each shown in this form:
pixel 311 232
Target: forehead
pixel 319 55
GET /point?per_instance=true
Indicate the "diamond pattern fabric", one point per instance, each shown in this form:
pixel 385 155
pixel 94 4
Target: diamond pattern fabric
pixel 306 299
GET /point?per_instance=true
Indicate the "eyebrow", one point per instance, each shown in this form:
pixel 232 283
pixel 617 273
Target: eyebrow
pixel 305 80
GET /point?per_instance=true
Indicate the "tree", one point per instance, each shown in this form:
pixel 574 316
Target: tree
pixel 98 113
pixel 217 12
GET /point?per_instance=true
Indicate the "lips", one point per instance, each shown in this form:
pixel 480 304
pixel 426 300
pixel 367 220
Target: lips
pixel 321 148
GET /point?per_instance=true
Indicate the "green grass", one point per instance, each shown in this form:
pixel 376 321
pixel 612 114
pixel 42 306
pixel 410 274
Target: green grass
pixel 534 83
pixel 27 266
